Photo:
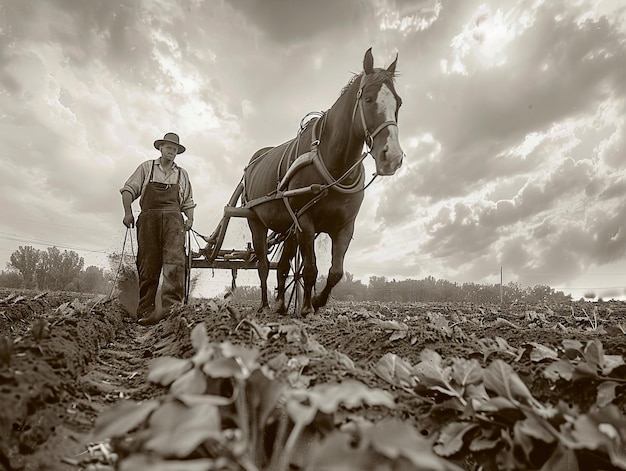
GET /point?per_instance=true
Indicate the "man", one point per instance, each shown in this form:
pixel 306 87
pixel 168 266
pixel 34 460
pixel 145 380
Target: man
pixel 164 193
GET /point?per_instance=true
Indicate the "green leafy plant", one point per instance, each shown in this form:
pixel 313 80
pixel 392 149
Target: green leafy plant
pixel 489 412
pixel 224 410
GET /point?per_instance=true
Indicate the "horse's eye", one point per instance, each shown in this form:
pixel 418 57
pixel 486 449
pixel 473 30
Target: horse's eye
pixel 368 99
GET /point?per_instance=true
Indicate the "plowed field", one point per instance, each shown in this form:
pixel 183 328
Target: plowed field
pixel 66 358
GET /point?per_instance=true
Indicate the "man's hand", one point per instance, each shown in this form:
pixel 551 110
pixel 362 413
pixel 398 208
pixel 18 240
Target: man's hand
pixel 188 224
pixel 129 220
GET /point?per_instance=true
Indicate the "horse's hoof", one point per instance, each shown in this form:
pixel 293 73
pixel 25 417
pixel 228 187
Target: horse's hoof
pixel 318 303
pixel 305 312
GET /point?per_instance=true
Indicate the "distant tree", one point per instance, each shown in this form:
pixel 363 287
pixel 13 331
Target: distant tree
pixel 378 289
pixel 349 289
pixel 59 270
pixel 49 269
pixel 42 272
pixel 94 280
pixel 246 293
pixel 25 261
pixel 11 279
pixel 70 268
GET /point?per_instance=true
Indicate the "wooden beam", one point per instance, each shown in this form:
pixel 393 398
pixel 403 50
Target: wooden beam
pixel 234 212
pixel 229 264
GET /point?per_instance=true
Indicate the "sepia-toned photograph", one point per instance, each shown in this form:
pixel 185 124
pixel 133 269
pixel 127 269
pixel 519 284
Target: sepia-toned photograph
pixel 312 235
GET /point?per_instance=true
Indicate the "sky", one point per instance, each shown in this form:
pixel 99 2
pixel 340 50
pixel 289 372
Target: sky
pixel 513 123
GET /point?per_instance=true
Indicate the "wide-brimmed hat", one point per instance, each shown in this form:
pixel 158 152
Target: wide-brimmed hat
pixel 170 138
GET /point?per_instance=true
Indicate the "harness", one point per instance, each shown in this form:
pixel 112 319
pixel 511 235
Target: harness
pixel 314 158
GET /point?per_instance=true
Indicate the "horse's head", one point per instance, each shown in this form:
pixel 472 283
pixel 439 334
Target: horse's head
pixel 378 105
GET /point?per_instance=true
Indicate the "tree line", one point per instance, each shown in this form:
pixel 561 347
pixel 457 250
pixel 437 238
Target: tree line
pixel 428 289
pixel 53 270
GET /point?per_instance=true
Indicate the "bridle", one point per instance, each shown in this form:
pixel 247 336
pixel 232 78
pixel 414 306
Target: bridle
pixel 369 137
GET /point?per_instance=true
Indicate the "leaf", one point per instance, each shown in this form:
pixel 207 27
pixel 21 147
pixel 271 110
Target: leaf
pixel 264 395
pixel 397 335
pixel 248 358
pixel 483 444
pixel 191 382
pixel 122 418
pixel 293 333
pixel 395 439
pixel 560 369
pixel 500 378
pixel 165 370
pixel 344 360
pixel 199 338
pixel 450 440
pixel 389 325
pixel 535 428
pixel 279 361
pixel 496 404
pixel 312 346
pixel 477 393
pixel 177 430
pixel 541 352
pixel 147 463
pixel 328 397
pixel 298 362
pixel 466 372
pixel 611 362
pixel 497 345
pixel 262 331
pixel 562 459
pixel 603 429
pixel 299 381
pixel 300 412
pixel 193 400
pixel 522 441
pixel 350 394
pixel 395 370
pixel 584 371
pixel 430 371
pixel 337 453
pixel 573 348
pixel 606 393
pixel 223 368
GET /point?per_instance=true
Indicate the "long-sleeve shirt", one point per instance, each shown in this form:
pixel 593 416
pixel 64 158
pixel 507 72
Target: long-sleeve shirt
pixel 136 184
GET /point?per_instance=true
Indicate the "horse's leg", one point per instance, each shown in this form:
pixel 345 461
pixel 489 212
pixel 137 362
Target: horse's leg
pixel 282 272
pixel 259 242
pixel 306 241
pixel 340 243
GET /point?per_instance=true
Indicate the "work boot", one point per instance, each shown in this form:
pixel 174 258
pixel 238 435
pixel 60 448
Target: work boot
pixel 154 318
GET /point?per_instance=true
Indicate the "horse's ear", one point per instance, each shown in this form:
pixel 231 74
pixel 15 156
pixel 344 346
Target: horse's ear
pixel 368 61
pixel 392 68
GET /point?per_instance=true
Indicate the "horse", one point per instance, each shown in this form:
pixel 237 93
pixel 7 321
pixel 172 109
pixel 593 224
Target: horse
pixel 314 183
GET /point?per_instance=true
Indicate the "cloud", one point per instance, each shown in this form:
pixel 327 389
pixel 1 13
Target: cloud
pixel 296 21
pixel 512 120
pixel 556 70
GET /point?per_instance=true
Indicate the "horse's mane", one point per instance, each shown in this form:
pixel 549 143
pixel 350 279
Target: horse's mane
pixel 377 76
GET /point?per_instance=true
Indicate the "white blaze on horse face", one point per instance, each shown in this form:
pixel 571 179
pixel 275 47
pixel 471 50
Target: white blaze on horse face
pixel 393 153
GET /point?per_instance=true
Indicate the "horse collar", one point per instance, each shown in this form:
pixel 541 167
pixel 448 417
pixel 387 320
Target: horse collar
pixel 318 162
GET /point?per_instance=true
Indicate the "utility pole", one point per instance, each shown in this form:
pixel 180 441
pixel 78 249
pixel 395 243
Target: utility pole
pixel 501 296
